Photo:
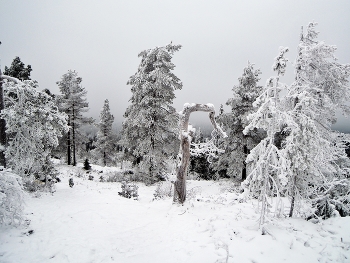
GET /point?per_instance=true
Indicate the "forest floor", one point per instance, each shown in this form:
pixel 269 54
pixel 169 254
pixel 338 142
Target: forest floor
pixel 92 223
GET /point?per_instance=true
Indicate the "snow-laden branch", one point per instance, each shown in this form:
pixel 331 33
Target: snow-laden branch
pixel 15 80
pixel 207 148
pixel 193 107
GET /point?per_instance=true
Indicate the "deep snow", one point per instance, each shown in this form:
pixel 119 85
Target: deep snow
pixel 92 223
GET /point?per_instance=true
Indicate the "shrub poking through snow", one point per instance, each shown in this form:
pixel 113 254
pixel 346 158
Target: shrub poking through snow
pixel 87 165
pixel 91 177
pixel 129 190
pixel 71 183
pixel 333 199
pixel 11 199
pixel 324 207
pixel 164 189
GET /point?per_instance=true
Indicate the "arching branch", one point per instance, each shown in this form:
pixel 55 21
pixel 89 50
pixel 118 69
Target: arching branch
pixel 15 80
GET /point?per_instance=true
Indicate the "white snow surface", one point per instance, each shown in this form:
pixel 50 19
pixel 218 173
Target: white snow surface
pixel 92 223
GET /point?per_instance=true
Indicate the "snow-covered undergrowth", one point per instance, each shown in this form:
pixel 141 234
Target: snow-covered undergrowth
pixel 92 223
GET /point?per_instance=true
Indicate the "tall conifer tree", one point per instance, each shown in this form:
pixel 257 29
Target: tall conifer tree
pixel 104 143
pixel 149 129
pixel 73 102
pixel 237 145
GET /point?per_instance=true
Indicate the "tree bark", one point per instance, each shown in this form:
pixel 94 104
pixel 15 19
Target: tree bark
pixel 294 189
pixel 73 138
pixel 2 127
pixel 185 142
pixel 244 170
pixel 292 204
pixel 68 144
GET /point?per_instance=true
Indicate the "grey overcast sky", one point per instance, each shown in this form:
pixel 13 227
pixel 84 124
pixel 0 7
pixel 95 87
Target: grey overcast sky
pixel 101 40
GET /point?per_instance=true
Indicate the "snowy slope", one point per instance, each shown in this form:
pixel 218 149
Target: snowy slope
pixel 92 223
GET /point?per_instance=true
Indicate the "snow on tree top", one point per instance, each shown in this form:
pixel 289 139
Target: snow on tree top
pixel 189 105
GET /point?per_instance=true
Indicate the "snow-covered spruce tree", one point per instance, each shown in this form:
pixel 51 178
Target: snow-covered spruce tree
pixel 320 88
pixel 104 144
pixel 73 103
pixel 269 168
pixel 150 127
pixel 237 145
pixel 18 70
pixel 34 125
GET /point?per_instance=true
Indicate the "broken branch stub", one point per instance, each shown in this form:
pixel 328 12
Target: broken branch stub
pixel 185 141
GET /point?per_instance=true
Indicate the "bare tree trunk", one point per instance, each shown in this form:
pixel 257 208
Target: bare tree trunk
pixel 244 170
pixel 2 127
pixel 68 144
pixel 73 138
pixel 73 145
pixel 294 188
pixel 185 137
pixel 293 197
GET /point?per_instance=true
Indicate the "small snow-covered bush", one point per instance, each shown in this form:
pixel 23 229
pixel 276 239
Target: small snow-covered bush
pixel 114 177
pixel 11 199
pixel 71 183
pixel 334 196
pixel 33 185
pixel 129 190
pixel 164 189
pixel 87 165
pixel 324 207
pixel 128 176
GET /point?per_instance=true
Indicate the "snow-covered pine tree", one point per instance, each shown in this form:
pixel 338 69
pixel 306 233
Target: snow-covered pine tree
pixel 237 145
pixel 105 137
pixel 73 102
pixel 308 162
pixel 34 124
pixel 150 126
pixel 18 70
pixel 269 168
pixel 321 87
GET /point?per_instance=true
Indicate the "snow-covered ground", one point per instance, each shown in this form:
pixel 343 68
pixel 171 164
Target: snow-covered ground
pixel 92 223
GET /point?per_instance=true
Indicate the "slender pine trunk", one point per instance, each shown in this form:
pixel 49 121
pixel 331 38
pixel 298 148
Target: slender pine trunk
pixel 2 126
pixel 244 170
pixel 73 139
pixel 73 146
pixel 68 144
pixel 293 197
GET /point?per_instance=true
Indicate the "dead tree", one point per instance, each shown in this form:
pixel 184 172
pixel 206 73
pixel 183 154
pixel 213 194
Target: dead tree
pixel 185 142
